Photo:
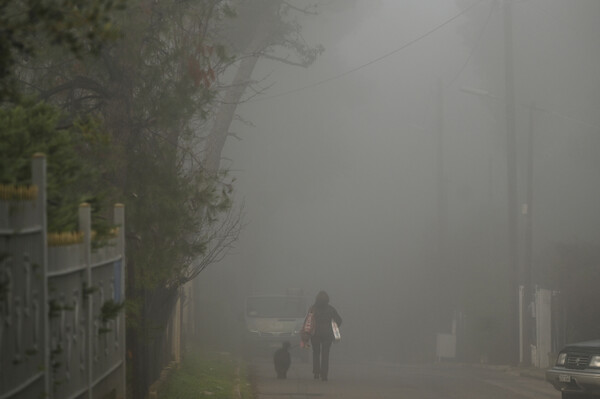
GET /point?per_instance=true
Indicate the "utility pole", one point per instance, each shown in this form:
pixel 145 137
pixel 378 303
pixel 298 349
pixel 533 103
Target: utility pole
pixel 442 210
pixel 527 275
pixel 529 228
pixel 511 170
pixel 442 205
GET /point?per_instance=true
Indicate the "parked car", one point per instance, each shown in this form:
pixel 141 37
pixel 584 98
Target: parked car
pixel 576 373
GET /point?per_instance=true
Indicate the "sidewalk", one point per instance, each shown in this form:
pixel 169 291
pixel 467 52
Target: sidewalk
pixel 532 372
pixel 522 371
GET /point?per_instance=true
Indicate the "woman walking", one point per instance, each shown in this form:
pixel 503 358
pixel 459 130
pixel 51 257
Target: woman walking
pixel 322 337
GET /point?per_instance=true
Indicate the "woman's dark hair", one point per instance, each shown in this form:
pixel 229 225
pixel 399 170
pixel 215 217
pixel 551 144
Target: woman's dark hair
pixel 322 299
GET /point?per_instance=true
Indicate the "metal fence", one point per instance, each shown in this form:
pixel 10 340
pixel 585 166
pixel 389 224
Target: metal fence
pixel 61 332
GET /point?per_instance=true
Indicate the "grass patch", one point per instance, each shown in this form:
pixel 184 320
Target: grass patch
pixel 207 375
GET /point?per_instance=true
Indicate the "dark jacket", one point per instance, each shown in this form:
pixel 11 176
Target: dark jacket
pixel 323 315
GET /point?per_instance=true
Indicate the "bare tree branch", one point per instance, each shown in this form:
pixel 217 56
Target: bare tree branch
pixel 302 10
pixel 285 60
pixel 79 82
pixel 219 241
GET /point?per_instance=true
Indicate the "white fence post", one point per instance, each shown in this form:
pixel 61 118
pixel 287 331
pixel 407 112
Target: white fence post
pixel 23 293
pixel 86 228
pixel 38 178
pixel 119 221
pixel 543 326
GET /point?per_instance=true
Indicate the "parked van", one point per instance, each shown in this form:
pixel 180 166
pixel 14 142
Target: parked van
pixel 273 319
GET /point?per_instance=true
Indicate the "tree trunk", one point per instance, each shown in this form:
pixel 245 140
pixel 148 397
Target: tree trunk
pixel 220 129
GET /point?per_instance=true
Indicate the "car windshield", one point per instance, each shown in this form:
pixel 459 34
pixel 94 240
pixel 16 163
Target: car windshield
pixel 280 306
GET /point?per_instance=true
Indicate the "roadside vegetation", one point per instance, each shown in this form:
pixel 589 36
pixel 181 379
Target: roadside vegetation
pixel 203 374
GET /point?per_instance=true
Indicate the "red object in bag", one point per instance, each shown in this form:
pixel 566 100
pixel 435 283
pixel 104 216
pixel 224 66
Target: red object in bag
pixel 308 329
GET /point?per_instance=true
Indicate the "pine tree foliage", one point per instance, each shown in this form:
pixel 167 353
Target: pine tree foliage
pixel 32 127
pixel 27 26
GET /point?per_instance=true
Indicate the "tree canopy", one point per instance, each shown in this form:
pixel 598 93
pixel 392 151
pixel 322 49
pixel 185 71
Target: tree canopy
pixel 130 103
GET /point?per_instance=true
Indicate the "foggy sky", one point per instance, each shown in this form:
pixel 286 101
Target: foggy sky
pixel 339 180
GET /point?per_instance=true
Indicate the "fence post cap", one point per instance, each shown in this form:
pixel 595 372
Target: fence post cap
pixel 84 205
pixel 119 205
pixel 39 155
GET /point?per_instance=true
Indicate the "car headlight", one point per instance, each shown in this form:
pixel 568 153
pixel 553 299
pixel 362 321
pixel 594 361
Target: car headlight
pixel 595 361
pixel 562 358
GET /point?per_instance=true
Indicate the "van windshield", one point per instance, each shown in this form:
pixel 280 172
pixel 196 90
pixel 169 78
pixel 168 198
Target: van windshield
pixel 276 306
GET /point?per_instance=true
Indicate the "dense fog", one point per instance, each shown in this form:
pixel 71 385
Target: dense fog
pixel 379 173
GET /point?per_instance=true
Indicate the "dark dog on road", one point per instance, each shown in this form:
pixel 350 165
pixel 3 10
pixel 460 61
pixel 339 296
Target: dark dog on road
pixel 282 360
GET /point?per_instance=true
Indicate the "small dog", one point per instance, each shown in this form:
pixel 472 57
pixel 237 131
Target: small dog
pixel 282 360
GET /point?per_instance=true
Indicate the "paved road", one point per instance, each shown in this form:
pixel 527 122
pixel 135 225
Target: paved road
pixel 386 381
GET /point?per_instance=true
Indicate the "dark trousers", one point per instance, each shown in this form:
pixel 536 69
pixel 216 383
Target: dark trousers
pixel 320 348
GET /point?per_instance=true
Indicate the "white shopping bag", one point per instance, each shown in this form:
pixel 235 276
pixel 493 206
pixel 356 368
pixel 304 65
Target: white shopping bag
pixel 336 330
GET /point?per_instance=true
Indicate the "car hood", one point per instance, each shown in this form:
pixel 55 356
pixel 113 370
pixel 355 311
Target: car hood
pixel 274 325
pixel 585 346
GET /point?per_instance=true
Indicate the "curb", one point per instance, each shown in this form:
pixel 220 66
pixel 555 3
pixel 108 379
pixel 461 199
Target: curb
pixel 236 387
pixel 538 374
pixel 535 373
pixel 164 374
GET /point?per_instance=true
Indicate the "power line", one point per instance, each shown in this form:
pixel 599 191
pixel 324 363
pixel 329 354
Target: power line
pixel 378 59
pixel 476 46
pixel 478 41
